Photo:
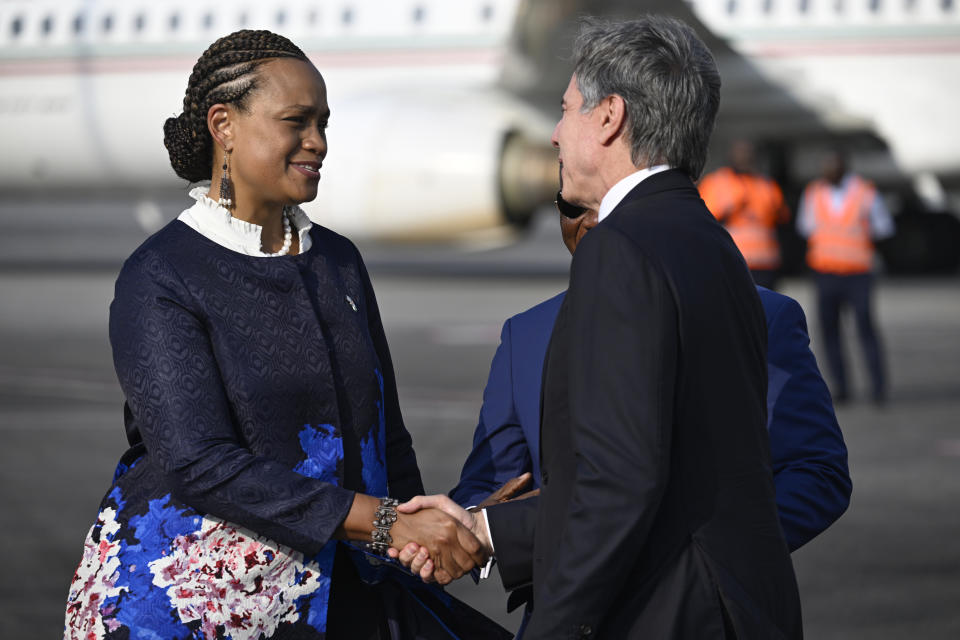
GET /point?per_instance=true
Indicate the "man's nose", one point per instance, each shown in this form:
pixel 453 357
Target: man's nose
pixel 554 140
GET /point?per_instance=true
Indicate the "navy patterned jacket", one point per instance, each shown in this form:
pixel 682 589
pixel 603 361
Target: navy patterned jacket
pixel 260 396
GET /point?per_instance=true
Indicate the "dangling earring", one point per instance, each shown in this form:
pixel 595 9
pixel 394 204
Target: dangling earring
pixel 226 184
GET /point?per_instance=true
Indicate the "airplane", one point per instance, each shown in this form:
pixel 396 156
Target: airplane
pixel 418 131
pixel 442 111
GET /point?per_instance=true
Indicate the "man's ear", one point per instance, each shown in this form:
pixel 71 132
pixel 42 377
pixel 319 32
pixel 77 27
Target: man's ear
pixel 220 123
pixel 613 117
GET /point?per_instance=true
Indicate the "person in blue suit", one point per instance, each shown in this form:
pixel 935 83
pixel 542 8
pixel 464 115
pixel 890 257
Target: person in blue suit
pixel 807 449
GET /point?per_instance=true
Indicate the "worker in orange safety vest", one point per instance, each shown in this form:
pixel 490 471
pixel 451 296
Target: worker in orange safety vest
pixel 842 215
pixel 750 206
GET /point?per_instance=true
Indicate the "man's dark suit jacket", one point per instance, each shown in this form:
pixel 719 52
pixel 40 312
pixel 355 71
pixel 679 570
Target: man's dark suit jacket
pixel 657 514
pixel 806 446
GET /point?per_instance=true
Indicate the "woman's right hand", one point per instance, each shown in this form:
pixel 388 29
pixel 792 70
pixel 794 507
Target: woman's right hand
pixel 451 549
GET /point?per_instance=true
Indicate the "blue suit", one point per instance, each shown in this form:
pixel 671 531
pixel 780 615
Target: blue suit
pixel 807 449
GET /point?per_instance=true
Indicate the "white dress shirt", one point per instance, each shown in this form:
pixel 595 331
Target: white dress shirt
pixel 211 220
pixel 620 190
pixel 485 570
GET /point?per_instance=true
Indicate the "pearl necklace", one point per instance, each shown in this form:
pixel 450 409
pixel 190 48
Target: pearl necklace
pixel 286 216
pixel 287 236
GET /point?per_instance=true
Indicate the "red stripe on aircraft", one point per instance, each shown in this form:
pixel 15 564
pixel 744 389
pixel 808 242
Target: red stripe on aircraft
pixel 783 49
pixel 401 58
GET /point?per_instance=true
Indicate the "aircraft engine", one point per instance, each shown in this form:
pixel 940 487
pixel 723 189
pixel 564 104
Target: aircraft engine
pixel 433 165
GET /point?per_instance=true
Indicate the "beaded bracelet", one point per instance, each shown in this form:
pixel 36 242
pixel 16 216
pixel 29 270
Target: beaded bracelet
pixel 383 519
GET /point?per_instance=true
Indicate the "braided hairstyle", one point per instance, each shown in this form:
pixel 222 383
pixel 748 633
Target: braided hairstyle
pixel 225 73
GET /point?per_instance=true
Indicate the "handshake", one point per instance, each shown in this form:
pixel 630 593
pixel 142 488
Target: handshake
pixel 441 541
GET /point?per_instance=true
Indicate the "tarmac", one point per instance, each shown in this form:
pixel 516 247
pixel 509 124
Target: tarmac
pixel 889 568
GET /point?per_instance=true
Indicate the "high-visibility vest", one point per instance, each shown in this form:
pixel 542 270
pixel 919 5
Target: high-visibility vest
pixel 841 242
pixel 750 207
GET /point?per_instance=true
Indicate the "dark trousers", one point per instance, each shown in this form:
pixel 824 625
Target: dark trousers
pixel 834 292
pixel 355 610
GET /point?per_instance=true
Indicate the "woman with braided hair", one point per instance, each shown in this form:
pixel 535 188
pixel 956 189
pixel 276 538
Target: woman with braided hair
pixel 261 409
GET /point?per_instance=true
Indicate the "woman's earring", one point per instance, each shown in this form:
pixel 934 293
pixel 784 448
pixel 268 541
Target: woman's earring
pixel 226 185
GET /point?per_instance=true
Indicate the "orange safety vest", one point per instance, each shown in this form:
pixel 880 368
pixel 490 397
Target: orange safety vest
pixel 750 207
pixel 841 242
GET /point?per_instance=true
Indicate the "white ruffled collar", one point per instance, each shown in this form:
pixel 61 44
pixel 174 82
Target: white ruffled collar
pixel 214 222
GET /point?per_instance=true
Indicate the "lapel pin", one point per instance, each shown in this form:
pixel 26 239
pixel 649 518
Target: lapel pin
pixel 352 304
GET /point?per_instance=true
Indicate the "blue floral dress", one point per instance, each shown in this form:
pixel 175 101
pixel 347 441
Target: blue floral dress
pixel 259 397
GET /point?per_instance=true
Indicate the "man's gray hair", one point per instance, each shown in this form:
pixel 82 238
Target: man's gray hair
pixel 666 76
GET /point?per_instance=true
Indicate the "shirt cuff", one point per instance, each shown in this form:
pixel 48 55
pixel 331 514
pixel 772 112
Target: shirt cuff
pixel 485 571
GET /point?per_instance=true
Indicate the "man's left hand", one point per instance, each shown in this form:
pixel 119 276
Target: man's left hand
pixel 508 491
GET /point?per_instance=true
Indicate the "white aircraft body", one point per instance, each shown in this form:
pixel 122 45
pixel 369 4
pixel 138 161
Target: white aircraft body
pixel 891 67
pixel 442 109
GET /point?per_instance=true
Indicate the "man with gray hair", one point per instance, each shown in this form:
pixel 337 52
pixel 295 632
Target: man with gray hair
pixel 656 517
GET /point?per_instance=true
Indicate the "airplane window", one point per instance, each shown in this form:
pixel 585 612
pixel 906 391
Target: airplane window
pixel 242 20
pixel 487 13
pixel 731 6
pixel 767 6
pixel 208 21
pixel 78 24
pixel 47 25
pixel 838 6
pixel 874 6
pixel 139 22
pixel 804 6
pixel 419 13
pixel 946 5
pixel 174 21
pixel 281 17
pixel 16 26
pixel 909 5
pixel 312 17
pixel 347 16
pixel 107 23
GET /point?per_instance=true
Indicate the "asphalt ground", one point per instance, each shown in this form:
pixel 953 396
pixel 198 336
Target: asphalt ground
pixel 889 568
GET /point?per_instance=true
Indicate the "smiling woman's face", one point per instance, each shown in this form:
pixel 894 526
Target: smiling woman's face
pixel 279 141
